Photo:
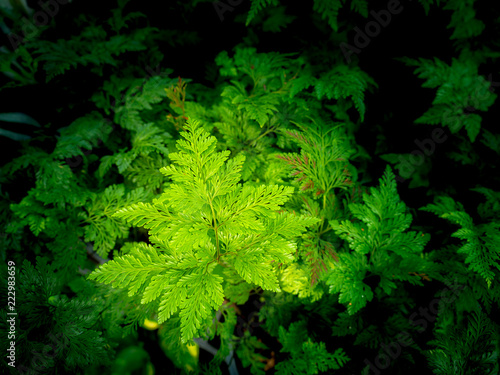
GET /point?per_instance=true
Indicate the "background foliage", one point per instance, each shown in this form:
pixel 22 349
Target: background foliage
pixel 251 186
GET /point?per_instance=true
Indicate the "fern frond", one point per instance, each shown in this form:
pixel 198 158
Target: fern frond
pixel 466 349
pixel 380 230
pixel 85 132
pixel 463 19
pixel 427 4
pixel 329 10
pixel 257 6
pixel 132 270
pixel 323 162
pixel 307 357
pixel 481 240
pixel 103 228
pixel 204 221
pixel 360 6
pixel 459 88
pixel 343 82
pixel 145 171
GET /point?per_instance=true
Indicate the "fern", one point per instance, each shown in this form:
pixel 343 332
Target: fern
pixel 417 176
pixel 203 222
pixel 84 133
pixel 277 20
pixel 91 46
pixel 340 83
pixel 323 162
pixel 378 232
pixel 295 280
pixel 346 324
pixel 147 138
pixel 257 6
pixel 306 356
pixel 21 72
pixel 246 351
pixel 328 10
pixel 87 48
pixel 278 311
pixel 51 211
pixel 52 320
pixel 482 240
pixel 145 171
pixel 360 6
pixel 472 349
pixel 103 229
pixel 427 4
pixel 491 140
pixel 119 20
pixel 463 19
pixel 225 331
pixel 139 98
pixel 263 198
pixel 459 89
pixel 321 170
pixel 265 72
pixel 491 208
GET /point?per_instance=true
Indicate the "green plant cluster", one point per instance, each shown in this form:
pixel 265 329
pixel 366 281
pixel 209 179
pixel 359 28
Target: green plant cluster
pixel 153 208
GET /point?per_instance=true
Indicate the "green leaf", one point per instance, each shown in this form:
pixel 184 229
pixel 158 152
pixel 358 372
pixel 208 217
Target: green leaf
pixel 203 221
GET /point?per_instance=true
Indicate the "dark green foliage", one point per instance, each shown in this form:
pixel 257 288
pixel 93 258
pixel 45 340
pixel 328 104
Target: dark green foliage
pixel 472 349
pixel 204 198
pixel 460 89
pixel 381 247
pixel 306 356
pixel 52 322
pixel 257 6
pixel 482 241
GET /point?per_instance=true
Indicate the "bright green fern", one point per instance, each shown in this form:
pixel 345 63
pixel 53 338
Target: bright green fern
pixel 204 222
